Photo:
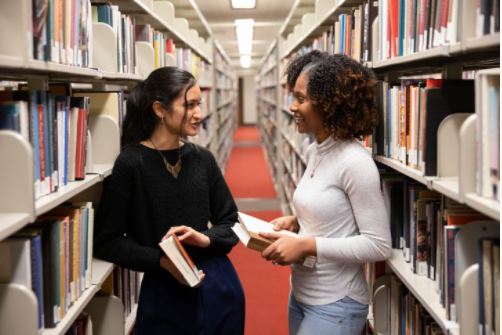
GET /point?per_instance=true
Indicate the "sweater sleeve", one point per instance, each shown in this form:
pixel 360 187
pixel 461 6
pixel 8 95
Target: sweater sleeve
pixel 223 212
pixel 111 240
pixel 361 183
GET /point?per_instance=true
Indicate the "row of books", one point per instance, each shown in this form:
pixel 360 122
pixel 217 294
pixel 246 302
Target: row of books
pixel 125 284
pixel 124 27
pixel 286 98
pixel 223 81
pixel 404 315
pixel 112 104
pixel 56 127
pixel 189 61
pixel 223 65
pixel 270 78
pixel 288 127
pixel 81 326
pixel 488 136
pixel 487 17
pixel 294 165
pixel 270 62
pixel 269 93
pixel 410 26
pixel 62 31
pixel 52 257
pixel 223 96
pixel 405 27
pixel 489 285
pixel 410 115
pixel 428 227
pixel 345 36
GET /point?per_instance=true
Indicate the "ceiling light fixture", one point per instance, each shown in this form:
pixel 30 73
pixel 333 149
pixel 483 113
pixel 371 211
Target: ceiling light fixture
pixel 246 61
pixel 244 32
pixel 243 4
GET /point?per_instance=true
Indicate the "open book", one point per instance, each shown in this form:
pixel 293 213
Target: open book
pixel 248 229
pixel 173 249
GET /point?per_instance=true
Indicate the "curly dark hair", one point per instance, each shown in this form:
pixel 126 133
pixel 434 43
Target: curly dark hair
pixel 342 90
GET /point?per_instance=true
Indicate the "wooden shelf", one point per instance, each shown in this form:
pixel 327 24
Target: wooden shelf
pixel 448 187
pixel 422 288
pixel 269 86
pixel 293 178
pixel 103 170
pixel 407 171
pixel 320 25
pixel 131 320
pixel 122 76
pixel 48 202
pixel 100 271
pixel 482 42
pixel 486 206
pixel 12 222
pixel 292 145
pixel 73 312
pixel 225 103
pixel 438 52
pixel 25 67
pixel 266 71
pixel 267 100
pixel 135 7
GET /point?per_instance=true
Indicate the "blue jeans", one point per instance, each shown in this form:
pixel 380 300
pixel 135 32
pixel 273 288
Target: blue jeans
pixel 343 317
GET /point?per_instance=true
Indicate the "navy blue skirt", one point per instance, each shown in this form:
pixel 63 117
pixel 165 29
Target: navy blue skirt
pixel 215 308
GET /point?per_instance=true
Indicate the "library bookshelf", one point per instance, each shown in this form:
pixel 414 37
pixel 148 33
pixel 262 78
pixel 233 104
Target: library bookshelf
pixel 111 72
pixel 460 52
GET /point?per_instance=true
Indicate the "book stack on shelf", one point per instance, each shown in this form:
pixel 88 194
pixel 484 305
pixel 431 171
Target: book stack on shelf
pixel 226 105
pixel 266 95
pixel 62 105
pixel 437 146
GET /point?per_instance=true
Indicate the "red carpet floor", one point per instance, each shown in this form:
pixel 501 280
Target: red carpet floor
pixel 247 174
pixel 266 286
pixel 247 134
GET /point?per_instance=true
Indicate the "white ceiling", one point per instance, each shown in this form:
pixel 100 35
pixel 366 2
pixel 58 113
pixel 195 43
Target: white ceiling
pixel 269 16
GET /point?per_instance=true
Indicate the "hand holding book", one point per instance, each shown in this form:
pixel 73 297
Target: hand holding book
pixel 178 262
pixel 167 264
pixel 289 223
pixel 287 250
pixel 278 239
pixel 189 236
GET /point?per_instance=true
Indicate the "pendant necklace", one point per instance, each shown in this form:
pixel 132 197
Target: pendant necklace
pixel 175 169
pixel 318 161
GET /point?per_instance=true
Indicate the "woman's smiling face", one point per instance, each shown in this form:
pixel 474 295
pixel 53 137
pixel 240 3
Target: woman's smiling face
pixel 307 119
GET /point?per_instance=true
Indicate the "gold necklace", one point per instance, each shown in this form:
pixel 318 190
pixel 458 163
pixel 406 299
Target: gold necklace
pixel 175 169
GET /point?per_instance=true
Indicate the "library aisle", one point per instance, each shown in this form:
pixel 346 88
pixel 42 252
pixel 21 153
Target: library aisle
pixel 264 285
pixel 65 93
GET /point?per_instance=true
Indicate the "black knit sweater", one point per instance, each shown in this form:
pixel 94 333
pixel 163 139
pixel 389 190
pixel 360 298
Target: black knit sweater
pixel 141 201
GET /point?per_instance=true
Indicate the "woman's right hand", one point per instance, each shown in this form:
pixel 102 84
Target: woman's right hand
pixel 286 223
pixel 166 264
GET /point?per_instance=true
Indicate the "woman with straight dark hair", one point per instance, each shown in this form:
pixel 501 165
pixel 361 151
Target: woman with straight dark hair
pixel 161 185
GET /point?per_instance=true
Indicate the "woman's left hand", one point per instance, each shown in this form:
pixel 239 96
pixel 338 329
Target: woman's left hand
pixel 286 249
pixel 189 236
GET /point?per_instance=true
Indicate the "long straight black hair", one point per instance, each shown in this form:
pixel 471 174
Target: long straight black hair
pixel 163 85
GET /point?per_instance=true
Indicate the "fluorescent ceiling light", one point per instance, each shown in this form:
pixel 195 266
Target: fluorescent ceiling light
pixel 246 61
pixel 244 32
pixel 243 4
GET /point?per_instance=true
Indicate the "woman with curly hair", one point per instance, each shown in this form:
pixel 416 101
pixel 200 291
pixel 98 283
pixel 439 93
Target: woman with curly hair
pixel 341 216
